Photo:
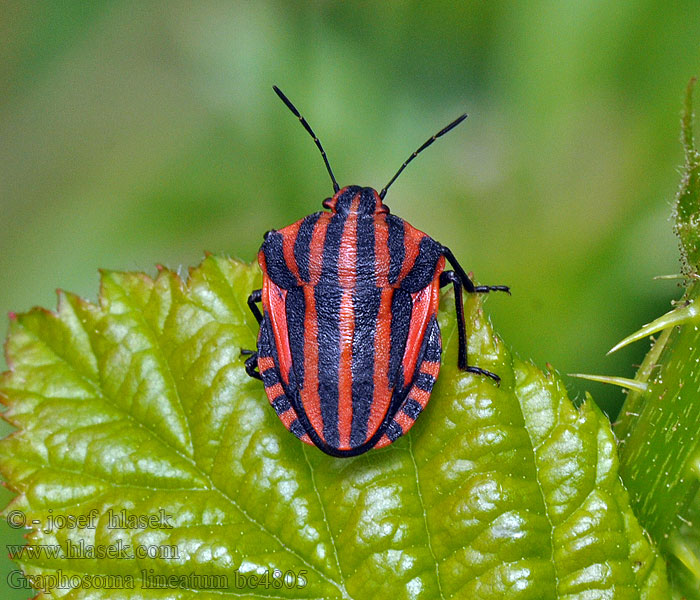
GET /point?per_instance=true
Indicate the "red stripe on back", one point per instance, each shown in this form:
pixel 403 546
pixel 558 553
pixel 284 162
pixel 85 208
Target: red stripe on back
pixel 288 417
pixel 310 398
pixel 288 240
pixel 309 395
pixel 419 395
pixel 416 331
pixel 274 303
pixel 265 363
pixel 382 258
pixel 430 367
pixel 274 391
pixel 347 263
pixel 412 238
pixel 262 261
pixel 382 344
pixel 404 421
pixel 383 441
pixel 425 305
pixel 382 336
pixel 318 239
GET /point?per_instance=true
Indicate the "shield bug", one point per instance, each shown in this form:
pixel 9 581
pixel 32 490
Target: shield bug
pixel 349 344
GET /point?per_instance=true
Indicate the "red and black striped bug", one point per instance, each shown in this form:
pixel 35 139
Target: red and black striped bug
pixel 349 344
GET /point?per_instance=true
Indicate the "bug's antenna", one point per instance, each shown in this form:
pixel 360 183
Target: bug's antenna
pixel 291 107
pixel 417 152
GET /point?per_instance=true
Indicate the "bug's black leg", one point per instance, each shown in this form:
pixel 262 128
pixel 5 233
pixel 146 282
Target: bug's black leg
pixel 251 364
pixel 464 278
pixel 447 277
pixel 255 296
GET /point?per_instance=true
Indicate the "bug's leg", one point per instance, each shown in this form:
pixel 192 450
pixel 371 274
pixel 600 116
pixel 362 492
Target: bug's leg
pixel 447 277
pixel 464 278
pixel 255 296
pixel 251 364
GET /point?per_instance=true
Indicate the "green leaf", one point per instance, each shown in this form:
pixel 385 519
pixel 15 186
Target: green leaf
pixel 140 406
pixel 658 424
pixel 687 207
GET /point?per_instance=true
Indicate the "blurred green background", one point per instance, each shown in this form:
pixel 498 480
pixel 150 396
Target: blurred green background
pixel 140 133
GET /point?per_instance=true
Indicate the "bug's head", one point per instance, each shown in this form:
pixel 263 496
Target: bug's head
pixel 356 199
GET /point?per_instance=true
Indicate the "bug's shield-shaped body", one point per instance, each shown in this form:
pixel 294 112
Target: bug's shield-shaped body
pixel 349 345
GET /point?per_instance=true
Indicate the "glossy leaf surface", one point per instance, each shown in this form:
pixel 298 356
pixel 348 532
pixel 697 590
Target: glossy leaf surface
pixel 140 406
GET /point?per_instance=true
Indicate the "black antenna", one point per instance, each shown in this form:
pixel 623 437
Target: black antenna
pixel 291 107
pixel 417 152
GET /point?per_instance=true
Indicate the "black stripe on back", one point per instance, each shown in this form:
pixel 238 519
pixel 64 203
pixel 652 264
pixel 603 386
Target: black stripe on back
pixel 297 428
pixel 302 244
pixel 328 296
pixel 365 269
pixel 269 377
pixel 296 315
pixel 276 266
pixel 394 431
pixel 368 201
pixel 327 309
pixel 281 404
pixel 412 408
pixel 397 249
pixel 401 311
pixel 331 250
pixel 433 348
pixel 425 382
pixel 344 201
pixel 264 346
pixel 366 302
pixel 423 270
